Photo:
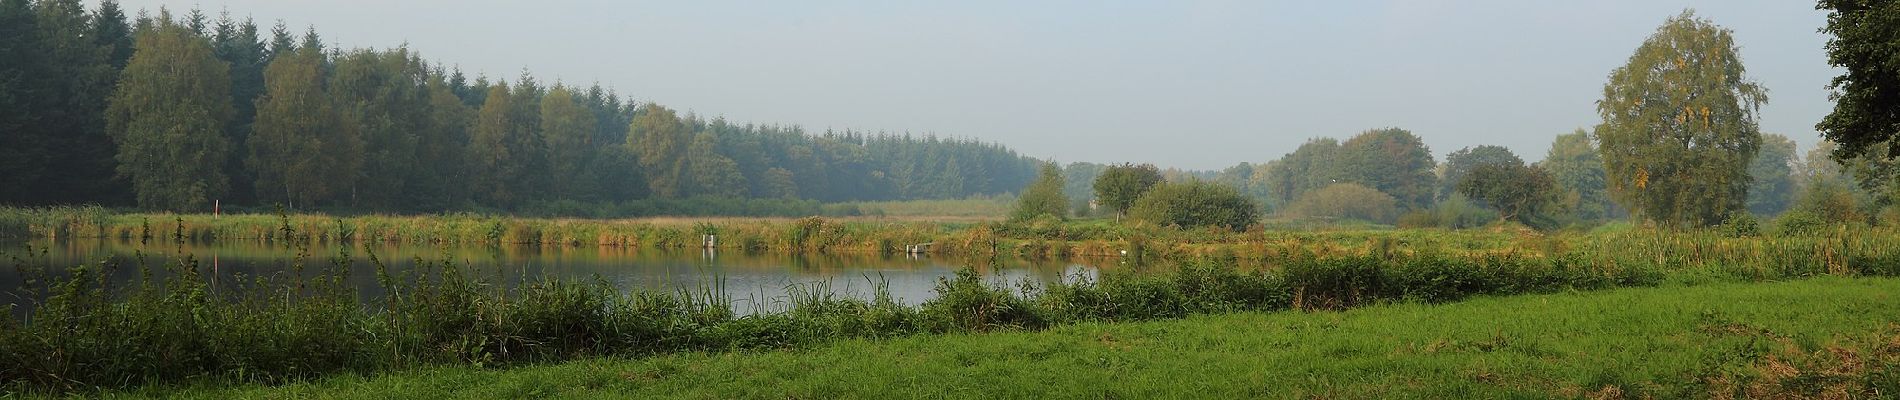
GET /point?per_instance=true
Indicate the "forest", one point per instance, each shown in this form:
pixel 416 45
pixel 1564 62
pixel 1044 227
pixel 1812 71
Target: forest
pixel 189 112
pixel 178 112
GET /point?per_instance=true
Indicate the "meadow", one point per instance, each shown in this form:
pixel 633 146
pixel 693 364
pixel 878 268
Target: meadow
pixel 1818 338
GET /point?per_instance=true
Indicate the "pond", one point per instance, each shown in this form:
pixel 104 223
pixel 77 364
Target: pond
pixel 754 282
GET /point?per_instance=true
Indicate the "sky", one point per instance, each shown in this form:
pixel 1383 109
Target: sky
pixel 1190 84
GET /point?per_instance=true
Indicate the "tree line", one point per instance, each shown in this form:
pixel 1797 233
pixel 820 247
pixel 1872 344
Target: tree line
pixel 175 112
pixel 1679 145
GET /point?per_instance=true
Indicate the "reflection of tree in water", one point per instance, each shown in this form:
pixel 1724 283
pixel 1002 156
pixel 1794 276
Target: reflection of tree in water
pixel 763 276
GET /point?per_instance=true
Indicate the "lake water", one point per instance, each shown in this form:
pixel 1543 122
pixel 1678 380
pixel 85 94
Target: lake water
pixel 755 282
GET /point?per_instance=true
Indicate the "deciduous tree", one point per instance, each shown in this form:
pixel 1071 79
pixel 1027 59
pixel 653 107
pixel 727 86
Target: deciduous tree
pixel 1043 197
pixel 1118 186
pixel 1679 127
pixel 168 116
pixel 1867 93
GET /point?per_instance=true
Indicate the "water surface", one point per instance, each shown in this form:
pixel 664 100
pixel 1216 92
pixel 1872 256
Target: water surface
pixel 755 282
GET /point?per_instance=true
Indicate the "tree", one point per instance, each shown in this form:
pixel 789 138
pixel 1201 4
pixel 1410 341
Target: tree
pixel 1393 161
pixel 1773 173
pixel 111 30
pixel 569 128
pixel 54 83
pixel 1867 93
pixel 1043 197
pixel 709 173
pixel 382 96
pixel 168 117
pixel 1461 162
pixel 659 140
pixel 1679 126
pixel 1195 203
pixel 1118 186
pixel 1517 191
pixel 441 158
pixel 240 46
pixel 1081 176
pixel 1308 168
pixel 300 152
pixel 1577 171
pixel 493 162
pixel 23 152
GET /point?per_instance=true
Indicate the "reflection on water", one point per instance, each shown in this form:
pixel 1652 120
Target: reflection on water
pixel 754 281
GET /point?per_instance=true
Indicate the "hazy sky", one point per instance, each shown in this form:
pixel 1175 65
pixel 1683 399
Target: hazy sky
pixel 1191 84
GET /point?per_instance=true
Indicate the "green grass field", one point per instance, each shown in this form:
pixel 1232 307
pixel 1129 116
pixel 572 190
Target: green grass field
pixel 1820 337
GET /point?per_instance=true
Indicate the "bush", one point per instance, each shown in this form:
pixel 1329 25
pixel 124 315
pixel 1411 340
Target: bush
pixel 1741 225
pixel 1195 204
pixel 1833 202
pixel 1347 201
pixel 1799 222
pixel 965 303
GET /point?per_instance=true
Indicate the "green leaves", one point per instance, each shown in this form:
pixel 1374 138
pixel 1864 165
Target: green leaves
pixel 1679 128
pixel 1195 204
pixel 1517 191
pixel 1866 104
pixel 1044 197
pixel 1119 185
pixel 168 117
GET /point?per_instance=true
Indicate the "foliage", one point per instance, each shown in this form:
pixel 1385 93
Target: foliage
pixel 168 118
pixel 1679 127
pixel 1347 200
pixel 1194 204
pixel 1306 169
pixel 1833 202
pixel 1395 162
pixel 1578 172
pixel 1866 113
pixel 400 134
pixel 300 150
pixel 1081 180
pixel 1118 186
pixel 1460 163
pixel 1741 225
pixel 1517 191
pixel 58 66
pixel 1044 197
pixel 1773 189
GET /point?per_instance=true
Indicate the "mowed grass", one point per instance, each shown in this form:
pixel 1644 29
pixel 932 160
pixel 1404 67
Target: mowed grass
pixel 1821 336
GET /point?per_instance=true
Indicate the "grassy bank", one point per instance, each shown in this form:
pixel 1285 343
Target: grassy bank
pixel 1826 338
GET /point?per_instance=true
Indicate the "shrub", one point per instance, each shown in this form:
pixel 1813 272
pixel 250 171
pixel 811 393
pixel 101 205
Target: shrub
pixel 1741 225
pixel 965 303
pixel 1799 222
pixel 1195 204
pixel 1044 196
pixel 1347 201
